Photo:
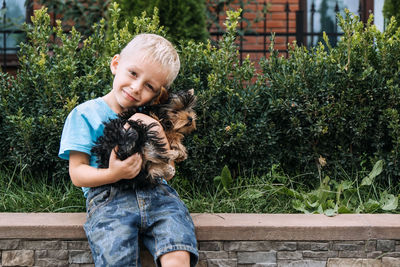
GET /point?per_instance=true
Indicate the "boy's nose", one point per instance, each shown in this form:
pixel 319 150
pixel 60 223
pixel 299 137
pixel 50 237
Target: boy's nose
pixel 135 87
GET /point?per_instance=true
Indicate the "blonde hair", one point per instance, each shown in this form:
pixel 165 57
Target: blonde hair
pixel 158 49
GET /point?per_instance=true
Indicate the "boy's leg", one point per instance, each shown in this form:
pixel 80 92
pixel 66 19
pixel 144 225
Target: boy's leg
pixel 177 258
pixel 111 226
pixel 169 233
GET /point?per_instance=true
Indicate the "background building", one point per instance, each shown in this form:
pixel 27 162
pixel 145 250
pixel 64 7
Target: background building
pixel 289 20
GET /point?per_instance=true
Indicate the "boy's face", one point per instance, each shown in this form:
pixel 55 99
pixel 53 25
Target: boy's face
pixel 136 80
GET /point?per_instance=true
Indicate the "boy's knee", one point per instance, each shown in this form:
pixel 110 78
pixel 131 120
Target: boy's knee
pixel 175 259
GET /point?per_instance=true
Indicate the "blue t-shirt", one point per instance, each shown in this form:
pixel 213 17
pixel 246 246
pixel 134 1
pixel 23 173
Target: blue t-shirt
pixel 82 128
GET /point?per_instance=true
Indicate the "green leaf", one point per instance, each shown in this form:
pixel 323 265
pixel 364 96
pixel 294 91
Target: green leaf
pixel 320 210
pixel 346 185
pixel 298 205
pixel 344 210
pixel 376 170
pixel 313 204
pixel 330 212
pixel 388 201
pixel 371 205
pixel 217 180
pixel 252 193
pixel 292 193
pixel 226 177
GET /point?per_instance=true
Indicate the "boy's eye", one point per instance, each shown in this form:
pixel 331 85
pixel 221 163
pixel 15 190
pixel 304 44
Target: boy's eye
pixel 150 86
pixel 133 73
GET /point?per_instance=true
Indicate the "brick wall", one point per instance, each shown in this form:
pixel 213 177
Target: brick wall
pixel 373 253
pixel 231 240
pixel 275 21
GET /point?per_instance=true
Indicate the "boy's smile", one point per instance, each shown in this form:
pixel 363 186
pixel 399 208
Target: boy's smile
pixel 136 81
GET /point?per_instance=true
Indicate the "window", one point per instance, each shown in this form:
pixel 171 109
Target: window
pixel 13 14
pixel 378 15
pixel 321 16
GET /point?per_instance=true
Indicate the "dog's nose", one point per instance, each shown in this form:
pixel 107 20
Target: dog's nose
pixel 190 119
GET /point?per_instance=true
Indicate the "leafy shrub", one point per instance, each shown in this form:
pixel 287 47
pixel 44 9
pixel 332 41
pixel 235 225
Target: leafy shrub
pixel 331 197
pixel 216 10
pixel 391 8
pixel 341 103
pixel 232 117
pixel 182 19
pixel 80 13
pixel 308 113
pixel 58 71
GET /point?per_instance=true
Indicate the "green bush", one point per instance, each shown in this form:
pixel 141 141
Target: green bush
pixel 80 13
pixel 391 9
pixel 339 105
pixel 232 120
pixel 182 19
pixel 58 71
pixel 316 110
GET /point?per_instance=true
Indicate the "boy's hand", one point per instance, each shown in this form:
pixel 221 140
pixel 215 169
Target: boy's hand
pixel 125 169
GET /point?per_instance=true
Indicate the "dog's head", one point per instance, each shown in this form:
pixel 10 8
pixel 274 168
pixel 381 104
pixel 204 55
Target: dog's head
pixel 180 113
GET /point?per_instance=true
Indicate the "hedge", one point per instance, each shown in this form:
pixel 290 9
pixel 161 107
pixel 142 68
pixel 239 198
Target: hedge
pixel 182 19
pixel 334 109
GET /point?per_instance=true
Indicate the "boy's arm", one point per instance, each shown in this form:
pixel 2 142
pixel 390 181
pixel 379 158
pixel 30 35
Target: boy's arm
pixel 84 175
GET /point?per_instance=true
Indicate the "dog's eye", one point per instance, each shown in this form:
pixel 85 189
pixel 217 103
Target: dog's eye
pixel 190 120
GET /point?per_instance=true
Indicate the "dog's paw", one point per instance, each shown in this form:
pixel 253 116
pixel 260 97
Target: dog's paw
pixel 173 154
pixel 180 155
pixel 170 171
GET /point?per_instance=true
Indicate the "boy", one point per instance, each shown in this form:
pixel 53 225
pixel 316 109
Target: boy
pixel 119 213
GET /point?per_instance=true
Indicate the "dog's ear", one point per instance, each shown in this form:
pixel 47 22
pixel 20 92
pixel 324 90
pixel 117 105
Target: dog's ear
pixel 193 97
pixel 163 95
pixel 161 98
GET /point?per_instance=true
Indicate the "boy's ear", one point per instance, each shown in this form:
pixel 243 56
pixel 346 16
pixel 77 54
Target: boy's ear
pixel 114 64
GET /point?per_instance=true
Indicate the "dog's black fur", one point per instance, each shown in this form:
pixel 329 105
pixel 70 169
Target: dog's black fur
pixel 143 139
pixel 128 142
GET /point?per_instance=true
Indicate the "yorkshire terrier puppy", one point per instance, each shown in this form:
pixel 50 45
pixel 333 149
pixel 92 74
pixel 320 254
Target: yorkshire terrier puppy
pixel 177 117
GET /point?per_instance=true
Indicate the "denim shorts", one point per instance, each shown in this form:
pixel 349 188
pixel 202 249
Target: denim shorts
pixel 119 215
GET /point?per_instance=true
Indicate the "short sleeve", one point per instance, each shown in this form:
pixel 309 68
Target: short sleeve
pixel 76 136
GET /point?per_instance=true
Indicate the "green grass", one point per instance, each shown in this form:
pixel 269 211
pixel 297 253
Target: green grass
pixel 273 193
pixel 250 195
pixel 21 192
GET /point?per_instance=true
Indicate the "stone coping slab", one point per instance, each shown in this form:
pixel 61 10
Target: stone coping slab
pixel 222 226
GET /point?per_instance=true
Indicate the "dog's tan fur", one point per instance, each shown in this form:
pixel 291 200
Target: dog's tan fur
pixel 181 120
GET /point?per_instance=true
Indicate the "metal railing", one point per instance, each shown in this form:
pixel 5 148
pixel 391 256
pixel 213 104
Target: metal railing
pixel 299 34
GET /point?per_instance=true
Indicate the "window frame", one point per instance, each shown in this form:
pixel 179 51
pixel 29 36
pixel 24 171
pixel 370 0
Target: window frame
pixel 9 61
pixel 367 7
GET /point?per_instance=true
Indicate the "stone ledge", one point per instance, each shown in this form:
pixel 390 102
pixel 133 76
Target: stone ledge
pixel 214 227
